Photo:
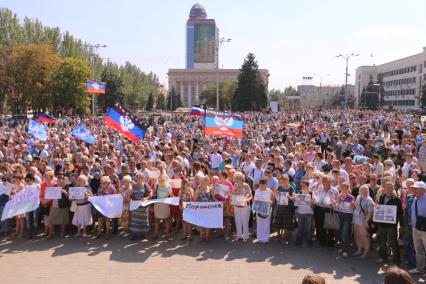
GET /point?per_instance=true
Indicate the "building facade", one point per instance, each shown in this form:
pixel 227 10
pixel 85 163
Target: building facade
pixel 402 81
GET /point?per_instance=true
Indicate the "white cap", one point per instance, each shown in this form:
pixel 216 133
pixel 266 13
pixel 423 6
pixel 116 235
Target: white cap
pixel 419 184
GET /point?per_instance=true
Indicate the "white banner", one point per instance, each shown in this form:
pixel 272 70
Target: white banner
pixel 53 193
pixel 6 188
pixel 344 207
pixel 204 214
pixel 24 201
pixel 385 214
pixel 76 193
pixel 135 204
pixel 111 206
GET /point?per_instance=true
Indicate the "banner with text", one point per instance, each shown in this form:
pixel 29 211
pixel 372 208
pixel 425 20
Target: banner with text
pixel 204 214
pixel 135 204
pixel 111 206
pixel 24 201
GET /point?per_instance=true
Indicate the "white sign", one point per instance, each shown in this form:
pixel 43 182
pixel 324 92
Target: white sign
pixel 239 200
pixel 282 198
pixel 24 201
pixel 176 183
pixel 344 207
pixel 262 195
pixel 262 207
pixel 53 193
pixel 76 193
pixel 153 174
pixel 204 214
pixel 5 188
pixel 274 106
pixel 302 200
pixel 111 206
pixel 385 214
pixel 222 190
pixel 169 200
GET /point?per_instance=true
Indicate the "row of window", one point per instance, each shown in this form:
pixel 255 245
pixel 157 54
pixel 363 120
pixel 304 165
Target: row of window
pixel 399 103
pixel 400 92
pixel 400 71
pixel 411 80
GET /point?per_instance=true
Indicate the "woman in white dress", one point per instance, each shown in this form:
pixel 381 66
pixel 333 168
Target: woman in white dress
pixel 263 221
pixel 83 213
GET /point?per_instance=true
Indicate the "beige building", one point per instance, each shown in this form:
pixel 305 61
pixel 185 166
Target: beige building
pixel 190 83
pixel 402 81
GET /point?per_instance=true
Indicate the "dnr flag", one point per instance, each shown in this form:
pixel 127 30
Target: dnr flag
pixel 126 123
pixel 42 117
pixel 95 87
pixel 223 125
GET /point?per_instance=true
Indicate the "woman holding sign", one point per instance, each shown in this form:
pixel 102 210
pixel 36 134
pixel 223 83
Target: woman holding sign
pixel 186 194
pixel 263 198
pixel 162 210
pixel 139 223
pixel 18 185
pixel 83 213
pixel 223 189
pixel 240 199
pixel 344 205
pixel 203 194
pixel 283 216
pixel 106 188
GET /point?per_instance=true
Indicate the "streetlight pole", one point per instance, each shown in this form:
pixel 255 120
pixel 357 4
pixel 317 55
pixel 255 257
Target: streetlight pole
pixel 94 51
pixel 221 40
pixel 347 57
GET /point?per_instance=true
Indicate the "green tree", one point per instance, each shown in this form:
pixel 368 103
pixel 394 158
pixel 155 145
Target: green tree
pixel 250 94
pixel 113 93
pixel 173 100
pixel 290 91
pixel 275 95
pixel 380 89
pixel 68 85
pixel 226 93
pixel 150 103
pixel 161 102
pixel 371 96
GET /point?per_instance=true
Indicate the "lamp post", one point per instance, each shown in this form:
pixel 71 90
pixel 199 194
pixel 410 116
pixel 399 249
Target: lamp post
pixel 221 40
pixel 347 57
pixel 94 48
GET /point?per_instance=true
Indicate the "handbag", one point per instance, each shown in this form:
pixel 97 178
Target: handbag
pixel 331 221
pixel 73 207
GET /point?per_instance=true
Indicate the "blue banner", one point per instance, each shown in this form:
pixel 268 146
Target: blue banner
pixel 83 134
pixel 37 130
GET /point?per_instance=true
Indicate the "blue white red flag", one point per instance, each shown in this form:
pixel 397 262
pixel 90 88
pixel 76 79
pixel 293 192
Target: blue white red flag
pixel 223 125
pixel 42 117
pixel 126 123
pixel 95 87
pixel 83 134
pixel 39 131
pixel 197 111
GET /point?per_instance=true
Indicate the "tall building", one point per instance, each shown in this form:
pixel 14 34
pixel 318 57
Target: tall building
pixel 202 57
pixel 402 81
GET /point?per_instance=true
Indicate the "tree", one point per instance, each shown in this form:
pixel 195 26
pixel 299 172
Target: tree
pixel 174 100
pixel 150 103
pixel 161 102
pixel 68 85
pixel 290 91
pixel 380 90
pixel 275 95
pixel 226 92
pixel 371 96
pixel 113 93
pixel 423 96
pixel 250 94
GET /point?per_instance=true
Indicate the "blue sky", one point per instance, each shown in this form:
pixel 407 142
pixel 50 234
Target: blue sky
pixel 290 38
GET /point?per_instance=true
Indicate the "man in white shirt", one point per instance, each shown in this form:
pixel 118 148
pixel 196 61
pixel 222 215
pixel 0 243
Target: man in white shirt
pixel 215 159
pixel 247 166
pixel 378 167
pixel 257 173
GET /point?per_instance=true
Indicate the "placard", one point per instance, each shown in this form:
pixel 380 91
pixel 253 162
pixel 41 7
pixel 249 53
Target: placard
pixel 6 188
pixel 204 214
pixel 176 183
pixel 111 206
pixel 222 190
pixel 239 200
pixel 262 207
pixel 282 198
pixel 344 207
pixel 385 214
pixel 53 193
pixel 302 200
pixel 262 195
pixel 24 201
pixel 77 193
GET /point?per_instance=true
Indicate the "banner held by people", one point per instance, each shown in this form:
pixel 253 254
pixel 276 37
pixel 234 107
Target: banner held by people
pixel 111 206
pixel 24 201
pixel 135 204
pixel 204 214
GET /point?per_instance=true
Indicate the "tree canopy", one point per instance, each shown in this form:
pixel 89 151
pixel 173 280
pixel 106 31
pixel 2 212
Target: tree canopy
pixel 226 93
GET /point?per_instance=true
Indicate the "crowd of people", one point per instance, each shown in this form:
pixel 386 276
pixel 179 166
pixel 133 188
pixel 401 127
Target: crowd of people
pixel 360 159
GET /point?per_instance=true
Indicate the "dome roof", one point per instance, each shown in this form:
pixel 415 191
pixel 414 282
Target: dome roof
pixel 197 12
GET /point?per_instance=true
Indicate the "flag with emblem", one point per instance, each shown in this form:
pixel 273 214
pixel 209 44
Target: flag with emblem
pixel 39 131
pixel 95 87
pixel 223 124
pixel 126 123
pixel 83 134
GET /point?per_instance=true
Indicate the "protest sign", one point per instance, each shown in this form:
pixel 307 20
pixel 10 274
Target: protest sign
pixel 262 195
pixel 302 200
pixel 53 193
pixel 175 183
pixel 5 188
pixel 262 207
pixel 76 193
pixel 344 207
pixel 385 214
pixel 222 190
pixel 282 198
pixel 239 200
pixel 170 200
pixel 204 214
pixel 111 206
pixel 24 201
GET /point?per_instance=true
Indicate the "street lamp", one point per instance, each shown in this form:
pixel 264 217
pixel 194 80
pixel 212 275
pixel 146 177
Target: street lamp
pixel 221 41
pixel 347 57
pixel 94 48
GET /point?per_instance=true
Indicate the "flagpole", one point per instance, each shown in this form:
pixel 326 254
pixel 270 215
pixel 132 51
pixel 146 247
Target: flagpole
pixel 93 105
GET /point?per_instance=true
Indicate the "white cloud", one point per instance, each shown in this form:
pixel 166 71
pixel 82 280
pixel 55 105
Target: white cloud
pixel 387 32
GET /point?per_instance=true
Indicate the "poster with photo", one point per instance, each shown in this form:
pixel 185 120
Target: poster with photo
pixel 344 207
pixel 302 200
pixel 239 200
pixel 261 207
pixel 385 214
pixel 222 190
pixel 282 198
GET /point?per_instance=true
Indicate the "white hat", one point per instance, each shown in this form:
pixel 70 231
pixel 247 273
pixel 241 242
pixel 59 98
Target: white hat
pixel 419 184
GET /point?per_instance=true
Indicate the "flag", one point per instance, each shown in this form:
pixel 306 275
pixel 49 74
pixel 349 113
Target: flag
pixel 126 123
pixel 197 111
pixel 95 87
pixel 227 125
pixel 83 134
pixel 42 117
pixel 37 130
